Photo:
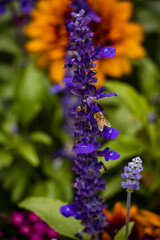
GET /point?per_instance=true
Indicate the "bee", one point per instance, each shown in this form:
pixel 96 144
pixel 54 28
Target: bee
pixel 101 121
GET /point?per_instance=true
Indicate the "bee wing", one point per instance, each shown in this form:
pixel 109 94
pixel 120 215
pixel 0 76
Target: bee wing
pixel 107 123
pixel 100 126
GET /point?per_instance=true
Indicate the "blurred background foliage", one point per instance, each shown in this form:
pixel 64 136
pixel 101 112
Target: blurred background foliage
pixel 31 122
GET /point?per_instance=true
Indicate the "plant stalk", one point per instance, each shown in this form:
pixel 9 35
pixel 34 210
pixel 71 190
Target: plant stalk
pixel 127 215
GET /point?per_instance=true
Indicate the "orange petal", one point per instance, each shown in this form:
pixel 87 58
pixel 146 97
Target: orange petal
pixel 115 67
pixel 130 48
pixel 100 75
pixel 133 211
pixel 43 60
pixel 37 45
pixel 57 53
pixel 123 11
pixel 153 218
pixel 108 214
pixel 56 71
pixel 142 221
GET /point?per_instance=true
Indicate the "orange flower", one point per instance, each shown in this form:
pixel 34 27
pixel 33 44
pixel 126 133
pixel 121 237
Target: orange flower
pixel 49 37
pixel 150 222
pixel 147 224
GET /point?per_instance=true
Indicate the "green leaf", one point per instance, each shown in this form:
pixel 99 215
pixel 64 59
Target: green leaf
pixel 56 170
pixel 30 92
pixel 15 181
pixel 113 186
pixel 48 210
pixel 5 159
pixel 127 146
pixel 29 153
pixel 148 18
pixel 7 44
pixel 121 234
pixel 6 71
pixel 41 137
pixel 149 76
pixel 43 188
pixel 131 98
pixel 18 190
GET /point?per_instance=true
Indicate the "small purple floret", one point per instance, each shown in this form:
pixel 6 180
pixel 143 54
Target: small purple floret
pixel 108 52
pixel 67 211
pixel 84 147
pixel 110 133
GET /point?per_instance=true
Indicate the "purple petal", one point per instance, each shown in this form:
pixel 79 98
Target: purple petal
pixel 112 155
pixel 82 148
pixel 85 21
pixel 110 133
pixel 108 52
pixel 56 88
pixel 67 210
pixel 110 94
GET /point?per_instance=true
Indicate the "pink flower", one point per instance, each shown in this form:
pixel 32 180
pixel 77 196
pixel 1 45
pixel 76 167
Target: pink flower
pixel 17 218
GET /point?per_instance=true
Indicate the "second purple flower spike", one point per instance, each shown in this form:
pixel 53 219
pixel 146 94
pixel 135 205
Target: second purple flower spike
pixel 131 175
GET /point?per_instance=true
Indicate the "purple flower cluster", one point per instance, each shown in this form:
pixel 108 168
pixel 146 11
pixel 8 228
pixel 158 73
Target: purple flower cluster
pixel 132 175
pixel 24 5
pixel 89 124
pixel 27 225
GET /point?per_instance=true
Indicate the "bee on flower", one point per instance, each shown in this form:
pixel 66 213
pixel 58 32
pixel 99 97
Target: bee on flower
pixel 102 122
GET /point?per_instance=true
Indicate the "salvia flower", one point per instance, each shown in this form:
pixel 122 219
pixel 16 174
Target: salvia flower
pixel 89 124
pixel 131 175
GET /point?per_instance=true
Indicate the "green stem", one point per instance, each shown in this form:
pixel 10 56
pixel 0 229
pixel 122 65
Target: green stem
pixel 127 216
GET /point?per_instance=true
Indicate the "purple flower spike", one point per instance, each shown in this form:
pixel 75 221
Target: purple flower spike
pixel 89 124
pixel 131 175
pixel 108 52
